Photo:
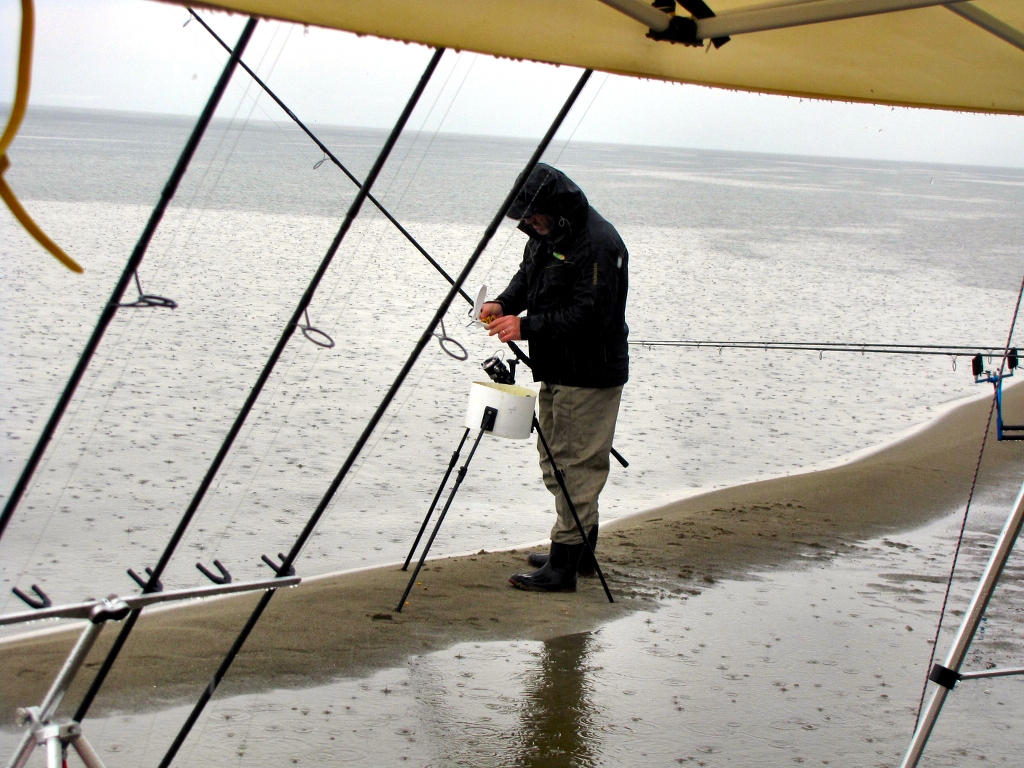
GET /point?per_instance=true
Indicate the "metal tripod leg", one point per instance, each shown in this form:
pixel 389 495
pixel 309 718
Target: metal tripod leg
pixel 437 526
pixel 72 735
pixel 949 672
pixel 433 504
pixel 52 735
pixel 24 750
pixel 54 749
pixel 56 738
pixel 560 477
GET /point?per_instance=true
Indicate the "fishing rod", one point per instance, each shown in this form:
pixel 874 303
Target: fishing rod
pixel 330 156
pixel 130 268
pixel 883 348
pixel 153 583
pixel 286 565
pixel 516 349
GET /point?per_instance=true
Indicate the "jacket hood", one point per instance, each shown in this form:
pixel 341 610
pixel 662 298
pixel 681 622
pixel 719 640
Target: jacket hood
pixel 550 191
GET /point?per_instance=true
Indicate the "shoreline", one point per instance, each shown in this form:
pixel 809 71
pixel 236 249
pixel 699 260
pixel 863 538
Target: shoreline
pixel 342 624
pixel 825 465
pixel 939 412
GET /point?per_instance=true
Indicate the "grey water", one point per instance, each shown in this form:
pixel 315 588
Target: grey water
pixel 723 246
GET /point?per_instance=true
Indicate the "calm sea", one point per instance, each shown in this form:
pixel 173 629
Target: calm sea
pixel 723 246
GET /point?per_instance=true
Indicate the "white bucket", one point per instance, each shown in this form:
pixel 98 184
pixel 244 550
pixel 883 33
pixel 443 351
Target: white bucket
pixel 514 405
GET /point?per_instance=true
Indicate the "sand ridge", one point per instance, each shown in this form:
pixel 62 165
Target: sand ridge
pixel 346 625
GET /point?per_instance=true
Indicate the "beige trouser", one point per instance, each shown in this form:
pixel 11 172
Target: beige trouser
pixel 579 424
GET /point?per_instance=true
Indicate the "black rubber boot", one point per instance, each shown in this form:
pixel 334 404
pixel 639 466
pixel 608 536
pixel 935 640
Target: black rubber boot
pixel 558 574
pixel 588 566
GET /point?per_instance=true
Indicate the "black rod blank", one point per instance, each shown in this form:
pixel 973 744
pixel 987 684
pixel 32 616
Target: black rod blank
pixel 107 315
pixel 428 334
pixel 948 350
pixel 516 349
pixel 330 155
pixel 179 170
pixel 268 368
pixel 380 207
pixel 353 211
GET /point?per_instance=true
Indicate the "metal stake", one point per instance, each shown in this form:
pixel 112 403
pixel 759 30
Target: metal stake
pixel 488 423
pixel 444 480
pixel 560 477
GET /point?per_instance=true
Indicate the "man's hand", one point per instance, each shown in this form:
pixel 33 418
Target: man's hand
pixel 505 328
pixel 490 309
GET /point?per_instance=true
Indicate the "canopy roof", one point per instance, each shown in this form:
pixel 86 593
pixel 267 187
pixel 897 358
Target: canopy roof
pixel 963 56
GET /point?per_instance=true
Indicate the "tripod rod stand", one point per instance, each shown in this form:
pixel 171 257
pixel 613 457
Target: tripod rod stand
pixel 489 416
pixel 57 737
pixel 433 504
pixel 487 425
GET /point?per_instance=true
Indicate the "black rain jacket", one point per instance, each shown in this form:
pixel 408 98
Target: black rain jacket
pixel 572 284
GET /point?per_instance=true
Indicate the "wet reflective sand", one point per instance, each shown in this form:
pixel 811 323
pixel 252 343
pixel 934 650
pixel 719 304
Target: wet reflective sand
pixel 820 665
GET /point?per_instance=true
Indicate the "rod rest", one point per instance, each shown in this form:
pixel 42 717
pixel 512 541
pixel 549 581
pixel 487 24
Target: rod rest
pixel 43 602
pixel 158 587
pixel 224 578
pixel 278 567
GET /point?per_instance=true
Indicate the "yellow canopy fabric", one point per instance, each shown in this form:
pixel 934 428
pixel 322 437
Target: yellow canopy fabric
pixel 926 57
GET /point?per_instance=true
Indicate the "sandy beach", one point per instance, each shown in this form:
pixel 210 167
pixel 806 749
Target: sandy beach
pixel 345 625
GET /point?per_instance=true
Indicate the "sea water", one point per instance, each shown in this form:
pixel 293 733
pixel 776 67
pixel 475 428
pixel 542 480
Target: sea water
pixel 723 246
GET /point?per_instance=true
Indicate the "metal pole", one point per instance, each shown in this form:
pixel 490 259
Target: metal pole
pixel 73 736
pixel 69 670
pixel 54 748
pixel 84 749
pixel 437 526
pixel 24 750
pixel 948 673
pixel 433 504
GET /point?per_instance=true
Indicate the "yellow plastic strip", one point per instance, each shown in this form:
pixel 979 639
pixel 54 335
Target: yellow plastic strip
pixel 28 23
pixel 28 27
pixel 30 226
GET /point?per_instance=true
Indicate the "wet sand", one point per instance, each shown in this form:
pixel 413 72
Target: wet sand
pixel 345 625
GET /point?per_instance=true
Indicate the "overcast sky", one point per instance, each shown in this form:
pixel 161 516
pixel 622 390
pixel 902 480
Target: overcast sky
pixel 137 55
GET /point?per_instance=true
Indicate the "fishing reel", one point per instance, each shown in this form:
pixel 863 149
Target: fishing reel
pixel 995 378
pixel 981 375
pixel 498 372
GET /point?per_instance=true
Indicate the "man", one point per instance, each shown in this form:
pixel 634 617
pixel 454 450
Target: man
pixel 572 284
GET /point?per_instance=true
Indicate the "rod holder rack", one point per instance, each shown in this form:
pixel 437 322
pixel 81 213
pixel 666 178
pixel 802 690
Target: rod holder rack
pixel 57 737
